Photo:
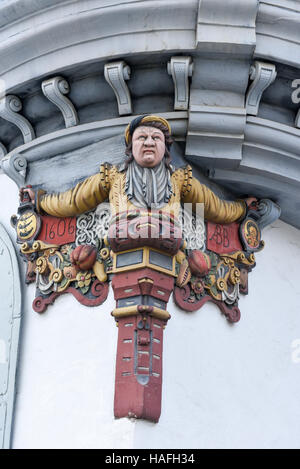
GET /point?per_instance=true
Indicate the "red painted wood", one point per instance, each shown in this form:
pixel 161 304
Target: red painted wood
pixel 58 231
pixel 135 359
pixel 140 346
pixel 127 284
pixel 181 295
pixel 133 230
pixel 99 291
pixel 223 238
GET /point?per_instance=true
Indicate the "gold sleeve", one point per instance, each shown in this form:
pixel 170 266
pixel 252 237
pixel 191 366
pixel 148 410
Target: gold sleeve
pixel 215 209
pixel 83 197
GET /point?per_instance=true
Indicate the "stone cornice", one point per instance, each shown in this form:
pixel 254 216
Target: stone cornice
pixel 77 32
pixel 227 27
pixel 270 165
pixel 78 40
pixel 277 31
pixel 71 33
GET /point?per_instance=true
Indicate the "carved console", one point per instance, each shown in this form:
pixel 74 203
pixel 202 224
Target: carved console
pixel 181 69
pixel 116 74
pixel 147 255
pixel 3 150
pixel 55 89
pixel 10 107
pixel 262 76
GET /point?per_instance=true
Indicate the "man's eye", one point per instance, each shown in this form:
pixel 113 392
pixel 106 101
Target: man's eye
pixel 142 137
pixel 156 138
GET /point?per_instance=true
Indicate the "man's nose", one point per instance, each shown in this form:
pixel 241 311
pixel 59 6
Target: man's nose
pixel 149 141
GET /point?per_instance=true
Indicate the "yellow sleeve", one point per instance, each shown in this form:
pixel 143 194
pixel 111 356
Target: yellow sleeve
pixel 83 197
pixel 215 209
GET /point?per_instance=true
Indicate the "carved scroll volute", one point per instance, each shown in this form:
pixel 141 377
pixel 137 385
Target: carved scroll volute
pixel 181 68
pixel 10 106
pixel 3 150
pixel 116 74
pixel 263 75
pixel 268 212
pixel 55 90
pixel 296 99
pixel 297 122
pixel 16 168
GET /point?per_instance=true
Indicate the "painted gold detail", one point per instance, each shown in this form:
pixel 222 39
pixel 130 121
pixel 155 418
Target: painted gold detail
pixel 104 253
pixel 135 310
pixel 42 265
pixel 56 275
pixel 99 271
pixel 145 262
pixel 27 225
pixel 240 257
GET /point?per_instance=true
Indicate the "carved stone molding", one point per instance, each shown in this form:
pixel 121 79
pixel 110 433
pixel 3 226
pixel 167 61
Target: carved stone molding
pixel 277 31
pixel 217 114
pixel 106 29
pixel 297 121
pixel 268 211
pixel 215 135
pixel 226 26
pixel 10 324
pixel 10 106
pixel 55 90
pixel 116 74
pixel 16 168
pixel 270 165
pixel 272 148
pixel 181 68
pixel 98 138
pixel 262 75
pixel 3 150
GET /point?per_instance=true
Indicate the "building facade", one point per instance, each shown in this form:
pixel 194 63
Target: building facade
pixel 225 74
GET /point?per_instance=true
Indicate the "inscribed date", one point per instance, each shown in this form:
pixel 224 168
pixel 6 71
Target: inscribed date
pixel 58 231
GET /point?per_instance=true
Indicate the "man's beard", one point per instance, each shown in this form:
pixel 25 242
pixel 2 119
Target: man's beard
pixel 148 187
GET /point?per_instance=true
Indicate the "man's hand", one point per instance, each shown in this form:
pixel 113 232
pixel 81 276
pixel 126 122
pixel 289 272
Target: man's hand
pixel 27 192
pixel 251 203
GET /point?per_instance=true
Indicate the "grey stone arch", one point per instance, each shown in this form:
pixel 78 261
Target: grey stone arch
pixel 10 327
pixel 223 45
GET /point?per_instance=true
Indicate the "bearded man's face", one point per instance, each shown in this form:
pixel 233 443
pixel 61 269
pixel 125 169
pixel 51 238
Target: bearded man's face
pixel 148 146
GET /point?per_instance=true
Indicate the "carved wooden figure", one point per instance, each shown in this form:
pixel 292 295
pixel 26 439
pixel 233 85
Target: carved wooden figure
pixel 144 246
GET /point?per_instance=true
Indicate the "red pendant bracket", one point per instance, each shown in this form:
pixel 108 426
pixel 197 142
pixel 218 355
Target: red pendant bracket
pixel 141 315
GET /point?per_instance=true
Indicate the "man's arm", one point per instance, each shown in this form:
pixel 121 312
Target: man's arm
pixel 215 209
pixel 83 197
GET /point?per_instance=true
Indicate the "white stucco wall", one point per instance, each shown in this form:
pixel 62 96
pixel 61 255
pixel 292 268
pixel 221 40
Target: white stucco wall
pixel 224 386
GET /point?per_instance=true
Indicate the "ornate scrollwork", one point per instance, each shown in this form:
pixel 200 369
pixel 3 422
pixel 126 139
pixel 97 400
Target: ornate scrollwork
pixel 193 230
pixel 205 275
pixel 104 217
pixel 87 229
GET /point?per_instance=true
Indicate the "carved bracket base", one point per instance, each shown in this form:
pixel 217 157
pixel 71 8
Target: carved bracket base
pixel 97 296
